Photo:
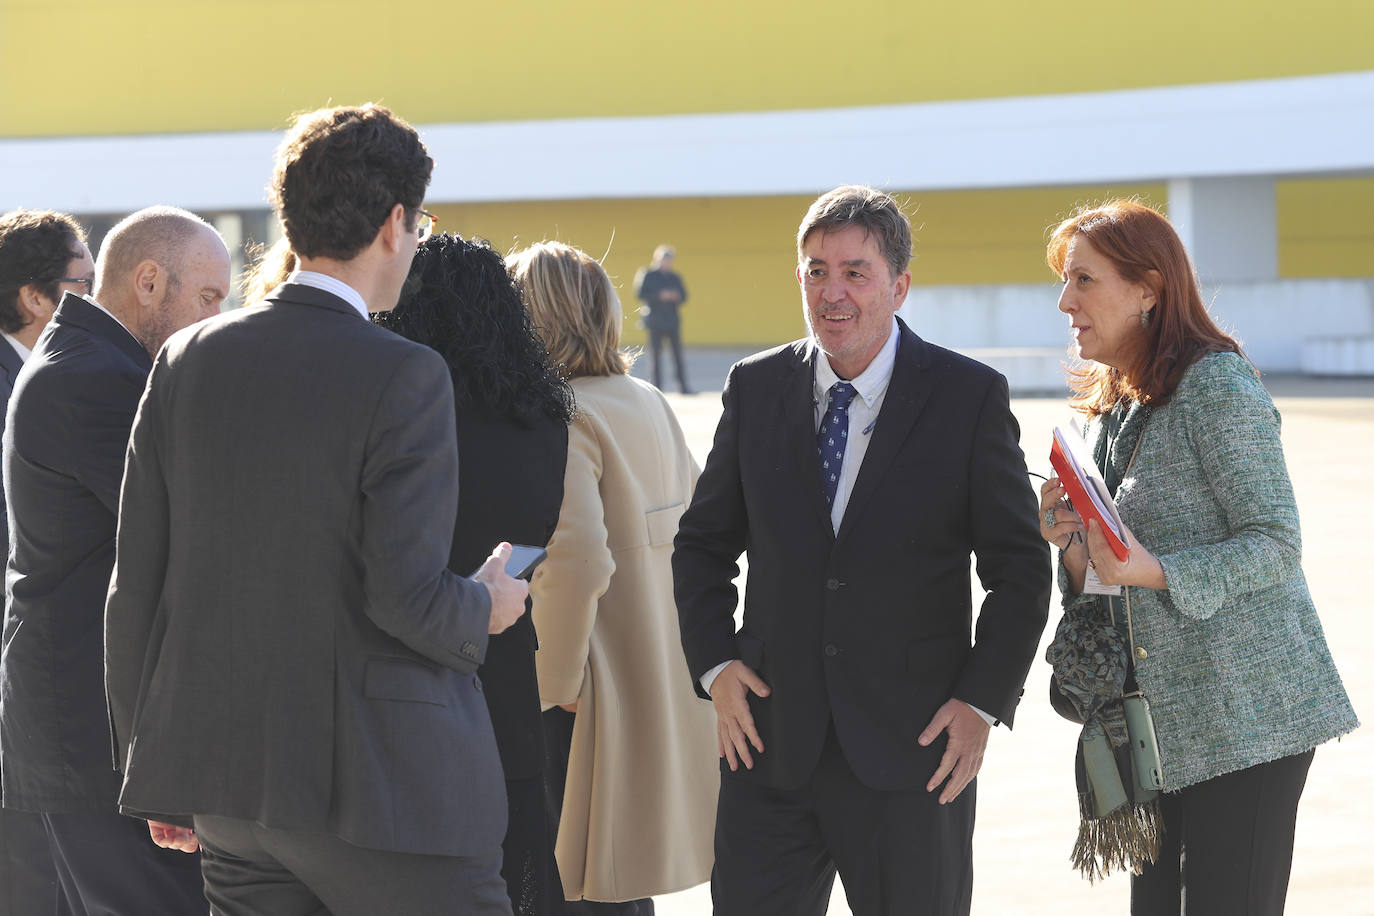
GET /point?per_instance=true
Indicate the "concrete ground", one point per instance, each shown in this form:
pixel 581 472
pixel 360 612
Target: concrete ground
pixel 1026 807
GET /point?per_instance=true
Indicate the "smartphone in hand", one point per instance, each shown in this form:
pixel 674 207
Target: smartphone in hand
pixel 523 560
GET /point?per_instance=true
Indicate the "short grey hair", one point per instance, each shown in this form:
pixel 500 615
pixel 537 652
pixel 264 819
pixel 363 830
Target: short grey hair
pixel 868 208
pixel 159 234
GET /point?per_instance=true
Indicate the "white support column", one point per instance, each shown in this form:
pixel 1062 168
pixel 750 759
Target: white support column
pixel 1229 225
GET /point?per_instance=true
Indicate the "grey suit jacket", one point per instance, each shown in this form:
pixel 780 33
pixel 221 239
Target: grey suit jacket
pixel 64 444
pixel 284 642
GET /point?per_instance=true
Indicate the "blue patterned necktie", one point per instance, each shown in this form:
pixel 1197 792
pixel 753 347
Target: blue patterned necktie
pixel 833 436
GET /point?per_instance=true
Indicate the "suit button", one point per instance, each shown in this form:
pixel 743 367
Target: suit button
pixel 1140 653
pixel 831 651
pixel 832 584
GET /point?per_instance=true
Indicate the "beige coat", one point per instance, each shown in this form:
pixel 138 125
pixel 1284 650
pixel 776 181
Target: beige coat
pixel 640 804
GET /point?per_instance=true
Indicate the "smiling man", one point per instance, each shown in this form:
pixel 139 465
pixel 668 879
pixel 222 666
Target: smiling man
pixel 860 466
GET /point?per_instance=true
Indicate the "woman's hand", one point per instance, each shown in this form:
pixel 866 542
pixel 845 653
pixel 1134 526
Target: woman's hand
pixel 1067 531
pixel 1139 568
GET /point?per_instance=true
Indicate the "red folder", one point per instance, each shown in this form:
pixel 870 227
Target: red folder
pixel 1086 489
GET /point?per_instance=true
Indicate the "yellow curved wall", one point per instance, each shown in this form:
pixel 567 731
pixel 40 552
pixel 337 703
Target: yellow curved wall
pixel 148 66
pixel 1326 228
pixel 737 255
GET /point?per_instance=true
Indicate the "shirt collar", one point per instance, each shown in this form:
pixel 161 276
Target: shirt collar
pixel 872 382
pixel 330 285
pixel 19 348
pixel 112 316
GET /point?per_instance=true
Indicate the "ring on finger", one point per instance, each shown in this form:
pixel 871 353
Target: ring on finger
pixel 1091 563
pixel 1049 517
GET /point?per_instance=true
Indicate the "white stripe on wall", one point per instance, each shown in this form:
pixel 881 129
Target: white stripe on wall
pixel 1317 125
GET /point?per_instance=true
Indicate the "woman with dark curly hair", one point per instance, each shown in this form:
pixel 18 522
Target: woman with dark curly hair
pixel 513 415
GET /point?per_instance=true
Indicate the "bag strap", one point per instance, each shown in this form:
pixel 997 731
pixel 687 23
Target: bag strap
pixel 1126 589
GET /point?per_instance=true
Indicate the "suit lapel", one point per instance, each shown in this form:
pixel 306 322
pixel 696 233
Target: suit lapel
pixel 798 412
pixel 75 311
pixel 906 396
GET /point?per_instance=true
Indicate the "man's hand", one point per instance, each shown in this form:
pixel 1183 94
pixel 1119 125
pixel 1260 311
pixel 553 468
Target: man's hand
pixel 968 738
pixel 170 836
pixel 734 723
pixel 507 594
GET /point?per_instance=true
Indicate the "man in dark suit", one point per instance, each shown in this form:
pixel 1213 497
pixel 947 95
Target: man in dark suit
pixel 289 662
pixel 43 255
pixel 663 293
pixel 860 467
pixel 64 444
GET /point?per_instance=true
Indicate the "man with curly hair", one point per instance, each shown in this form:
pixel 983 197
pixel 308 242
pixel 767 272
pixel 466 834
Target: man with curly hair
pixel 291 666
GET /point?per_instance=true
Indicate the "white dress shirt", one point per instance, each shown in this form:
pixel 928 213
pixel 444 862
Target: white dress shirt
pixel 23 351
pixel 330 285
pixel 111 314
pixel 871 385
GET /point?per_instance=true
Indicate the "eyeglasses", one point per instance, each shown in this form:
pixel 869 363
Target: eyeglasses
pixel 425 223
pixel 89 281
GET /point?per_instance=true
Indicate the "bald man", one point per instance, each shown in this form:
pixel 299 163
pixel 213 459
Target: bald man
pixel 68 425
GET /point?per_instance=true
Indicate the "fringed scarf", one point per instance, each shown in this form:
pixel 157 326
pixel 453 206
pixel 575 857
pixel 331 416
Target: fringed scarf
pixel 1089 656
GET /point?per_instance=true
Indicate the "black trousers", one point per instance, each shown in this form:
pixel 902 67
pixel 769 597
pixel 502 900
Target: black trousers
pixel 251 870
pixel 558 729
pixel 528 864
pixel 108 865
pixel 777 851
pixel 28 881
pixel 674 339
pixel 1227 848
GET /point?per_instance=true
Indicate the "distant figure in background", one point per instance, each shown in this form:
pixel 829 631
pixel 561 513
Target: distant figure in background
pixel 43 256
pixel 513 413
pixel 160 270
pixel 662 291
pixel 633 776
pixel 1216 625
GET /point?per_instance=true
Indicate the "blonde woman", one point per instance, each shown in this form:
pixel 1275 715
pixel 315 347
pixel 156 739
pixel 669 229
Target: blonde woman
pixel 638 802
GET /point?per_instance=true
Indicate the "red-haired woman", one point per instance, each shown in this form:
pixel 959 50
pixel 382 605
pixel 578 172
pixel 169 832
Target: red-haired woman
pixel 1225 643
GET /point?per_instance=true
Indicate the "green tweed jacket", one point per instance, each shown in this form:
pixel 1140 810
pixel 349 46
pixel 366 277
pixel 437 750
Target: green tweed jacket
pixel 1231 655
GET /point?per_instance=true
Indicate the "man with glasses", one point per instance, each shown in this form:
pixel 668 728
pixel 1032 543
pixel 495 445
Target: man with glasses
pixel 64 445
pixel 289 661
pixel 43 255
